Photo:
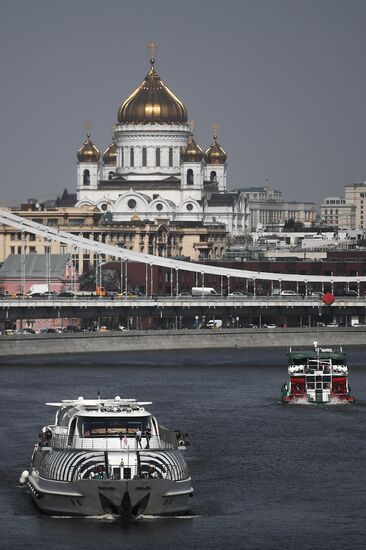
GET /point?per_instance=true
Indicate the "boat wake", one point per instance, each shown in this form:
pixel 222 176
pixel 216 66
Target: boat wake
pixel 185 516
pixel 114 518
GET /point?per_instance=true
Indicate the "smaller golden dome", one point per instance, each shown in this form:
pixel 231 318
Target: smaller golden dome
pixel 110 154
pixel 192 152
pixel 88 152
pixel 135 218
pixel 215 154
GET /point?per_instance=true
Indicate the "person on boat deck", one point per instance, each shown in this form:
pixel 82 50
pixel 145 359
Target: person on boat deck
pixel 138 438
pixel 148 436
pixel 152 472
pixel 101 474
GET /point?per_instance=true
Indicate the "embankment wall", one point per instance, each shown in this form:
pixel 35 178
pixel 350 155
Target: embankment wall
pixel 179 340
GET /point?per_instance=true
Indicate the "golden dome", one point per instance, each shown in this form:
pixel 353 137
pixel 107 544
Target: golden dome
pixel 110 154
pixel 152 103
pixel 192 152
pixel 215 154
pixel 135 218
pixel 88 152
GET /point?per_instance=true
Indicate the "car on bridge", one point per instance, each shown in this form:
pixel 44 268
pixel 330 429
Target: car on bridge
pixel 239 294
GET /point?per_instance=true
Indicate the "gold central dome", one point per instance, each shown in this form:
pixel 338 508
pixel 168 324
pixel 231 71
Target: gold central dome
pixel 152 103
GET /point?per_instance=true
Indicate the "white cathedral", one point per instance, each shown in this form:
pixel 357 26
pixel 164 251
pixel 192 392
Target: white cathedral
pixel 154 169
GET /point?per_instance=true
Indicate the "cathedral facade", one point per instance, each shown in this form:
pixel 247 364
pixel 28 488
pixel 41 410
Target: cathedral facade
pixel 154 170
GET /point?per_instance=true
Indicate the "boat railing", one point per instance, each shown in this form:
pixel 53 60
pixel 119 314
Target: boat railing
pixel 114 443
pixel 168 437
pixel 130 469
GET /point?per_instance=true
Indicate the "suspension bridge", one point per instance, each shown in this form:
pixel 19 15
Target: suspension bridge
pixel 174 310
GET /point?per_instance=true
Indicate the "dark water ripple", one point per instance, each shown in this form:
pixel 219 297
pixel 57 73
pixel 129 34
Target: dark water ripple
pixel 266 475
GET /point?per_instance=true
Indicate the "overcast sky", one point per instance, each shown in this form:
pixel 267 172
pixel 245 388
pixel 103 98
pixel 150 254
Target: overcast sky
pixel 285 79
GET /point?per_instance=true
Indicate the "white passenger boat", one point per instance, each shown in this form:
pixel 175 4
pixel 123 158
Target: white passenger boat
pixel 107 456
pixel 318 375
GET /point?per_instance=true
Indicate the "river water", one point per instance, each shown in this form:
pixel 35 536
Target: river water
pixel 266 475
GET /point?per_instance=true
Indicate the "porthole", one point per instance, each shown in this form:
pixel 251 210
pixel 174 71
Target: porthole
pixel 159 206
pixel 104 206
pixel 189 206
pixel 131 203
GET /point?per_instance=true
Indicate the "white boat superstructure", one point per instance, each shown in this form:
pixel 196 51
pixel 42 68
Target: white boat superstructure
pixel 318 375
pixel 107 456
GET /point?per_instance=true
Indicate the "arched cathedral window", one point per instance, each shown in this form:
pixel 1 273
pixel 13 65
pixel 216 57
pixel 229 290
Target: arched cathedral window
pixel 189 176
pixel 213 176
pixel 158 156
pixel 144 156
pixel 170 157
pixel 86 177
pixel 132 157
pixel 122 157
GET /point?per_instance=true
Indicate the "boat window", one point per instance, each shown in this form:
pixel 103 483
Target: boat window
pixel 111 426
pixel 64 415
pixel 72 431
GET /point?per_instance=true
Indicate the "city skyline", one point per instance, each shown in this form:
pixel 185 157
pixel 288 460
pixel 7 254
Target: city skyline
pixel 283 81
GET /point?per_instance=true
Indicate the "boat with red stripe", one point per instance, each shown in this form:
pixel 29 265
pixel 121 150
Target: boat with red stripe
pixel 318 375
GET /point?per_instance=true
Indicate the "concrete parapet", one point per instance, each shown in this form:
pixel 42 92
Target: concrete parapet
pixel 178 339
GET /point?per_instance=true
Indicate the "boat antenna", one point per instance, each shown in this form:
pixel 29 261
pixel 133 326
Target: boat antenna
pixel 98 395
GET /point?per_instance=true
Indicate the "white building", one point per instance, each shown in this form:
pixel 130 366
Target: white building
pixel 336 212
pixel 268 210
pixel 154 169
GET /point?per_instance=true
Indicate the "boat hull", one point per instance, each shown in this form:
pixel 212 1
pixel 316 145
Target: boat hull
pixel 306 399
pixel 125 498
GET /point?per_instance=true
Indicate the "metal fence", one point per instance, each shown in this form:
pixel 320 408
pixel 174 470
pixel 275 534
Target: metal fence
pixel 167 440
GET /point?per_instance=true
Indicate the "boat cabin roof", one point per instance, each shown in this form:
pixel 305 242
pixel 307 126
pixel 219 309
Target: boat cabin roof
pixel 312 354
pixel 116 407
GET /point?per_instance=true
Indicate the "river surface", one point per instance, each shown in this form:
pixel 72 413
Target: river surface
pixel 266 475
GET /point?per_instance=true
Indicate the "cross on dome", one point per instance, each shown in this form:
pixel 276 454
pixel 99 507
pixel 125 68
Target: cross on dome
pixel 88 126
pixel 215 127
pixel 152 45
pixel 192 125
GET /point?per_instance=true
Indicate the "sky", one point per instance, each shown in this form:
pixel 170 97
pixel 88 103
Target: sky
pixel 284 79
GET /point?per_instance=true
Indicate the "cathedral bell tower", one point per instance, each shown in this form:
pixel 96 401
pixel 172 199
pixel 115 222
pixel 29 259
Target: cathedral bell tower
pixel 192 169
pixel 88 157
pixel 215 157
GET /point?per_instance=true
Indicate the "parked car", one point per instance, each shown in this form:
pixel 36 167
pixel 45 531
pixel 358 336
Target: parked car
pixel 72 328
pixel 130 294
pixel 350 292
pixel 214 324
